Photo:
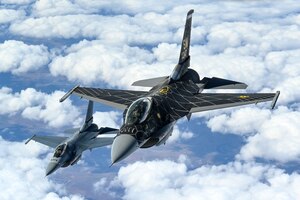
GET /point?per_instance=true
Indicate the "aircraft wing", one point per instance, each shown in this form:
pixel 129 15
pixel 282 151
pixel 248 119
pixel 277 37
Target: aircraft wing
pixel 116 98
pixel 51 141
pixel 97 142
pixel 211 101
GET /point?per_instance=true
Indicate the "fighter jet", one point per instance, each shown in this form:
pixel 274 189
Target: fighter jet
pixel 69 150
pixel 149 116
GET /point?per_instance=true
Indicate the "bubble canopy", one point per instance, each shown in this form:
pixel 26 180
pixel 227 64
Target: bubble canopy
pixel 138 111
pixel 60 150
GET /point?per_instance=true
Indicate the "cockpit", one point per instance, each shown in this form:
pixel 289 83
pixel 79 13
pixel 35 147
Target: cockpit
pixel 138 111
pixel 60 150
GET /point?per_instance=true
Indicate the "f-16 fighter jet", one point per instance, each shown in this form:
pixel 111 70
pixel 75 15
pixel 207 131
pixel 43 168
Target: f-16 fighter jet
pixel 69 150
pixel 149 117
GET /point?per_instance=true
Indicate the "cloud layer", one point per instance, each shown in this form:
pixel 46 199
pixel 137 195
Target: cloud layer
pixel 36 105
pixel 17 57
pixel 89 62
pixel 115 43
pixel 173 180
pixel 22 173
pixel 9 15
pixel 272 135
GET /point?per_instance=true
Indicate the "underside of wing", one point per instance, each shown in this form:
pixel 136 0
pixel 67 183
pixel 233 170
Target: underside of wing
pixel 51 141
pixel 209 101
pixel 116 98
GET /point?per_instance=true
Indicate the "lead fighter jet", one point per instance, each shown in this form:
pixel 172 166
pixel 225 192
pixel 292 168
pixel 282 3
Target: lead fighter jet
pixel 149 117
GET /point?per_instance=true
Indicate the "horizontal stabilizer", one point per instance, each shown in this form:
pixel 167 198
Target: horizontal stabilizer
pixel 150 82
pixel 219 83
pixel 108 130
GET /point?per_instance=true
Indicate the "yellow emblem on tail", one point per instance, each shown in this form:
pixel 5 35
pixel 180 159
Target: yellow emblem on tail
pixel 164 90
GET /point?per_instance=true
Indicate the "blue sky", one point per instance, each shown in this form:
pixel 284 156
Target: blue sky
pixel 47 47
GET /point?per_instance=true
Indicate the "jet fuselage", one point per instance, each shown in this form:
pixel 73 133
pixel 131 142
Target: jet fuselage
pixel 69 152
pixel 149 120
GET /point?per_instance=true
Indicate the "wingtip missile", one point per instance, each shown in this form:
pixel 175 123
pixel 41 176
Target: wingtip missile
pixel 68 94
pixel 29 139
pixel 275 100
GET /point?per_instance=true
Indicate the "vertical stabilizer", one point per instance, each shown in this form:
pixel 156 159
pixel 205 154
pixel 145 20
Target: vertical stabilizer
pixel 89 117
pixel 184 57
pixel 185 45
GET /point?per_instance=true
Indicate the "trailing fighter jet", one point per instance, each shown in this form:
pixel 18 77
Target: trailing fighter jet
pixel 149 117
pixel 69 150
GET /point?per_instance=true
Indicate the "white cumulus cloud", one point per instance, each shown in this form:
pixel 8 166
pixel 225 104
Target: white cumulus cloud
pixel 17 57
pixel 179 134
pixel 22 173
pixel 272 135
pixel 171 180
pixel 277 138
pixel 36 105
pixel 57 7
pixel 91 61
pixel 241 121
pixel 16 2
pixel 8 15
pixel 107 119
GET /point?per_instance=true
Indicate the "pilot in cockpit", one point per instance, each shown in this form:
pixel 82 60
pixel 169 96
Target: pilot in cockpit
pixel 59 150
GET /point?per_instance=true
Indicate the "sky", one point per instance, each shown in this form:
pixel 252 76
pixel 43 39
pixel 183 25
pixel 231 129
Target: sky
pixel 249 152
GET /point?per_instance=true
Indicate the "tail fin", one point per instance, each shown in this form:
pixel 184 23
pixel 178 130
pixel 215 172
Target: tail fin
pixel 184 57
pixel 89 117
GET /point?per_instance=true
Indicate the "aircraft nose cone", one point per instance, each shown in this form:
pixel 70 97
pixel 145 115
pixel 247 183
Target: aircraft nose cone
pixel 122 147
pixel 52 166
